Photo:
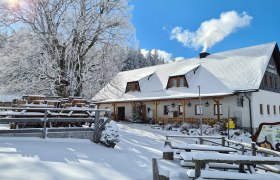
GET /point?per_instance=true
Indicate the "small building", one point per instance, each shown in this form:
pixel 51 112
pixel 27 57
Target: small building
pixel 243 84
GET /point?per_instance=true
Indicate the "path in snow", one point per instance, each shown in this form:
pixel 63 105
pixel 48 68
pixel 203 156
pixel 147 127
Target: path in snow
pixel 34 158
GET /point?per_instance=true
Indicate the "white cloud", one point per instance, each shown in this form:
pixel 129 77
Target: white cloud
pixel 163 54
pixel 179 58
pixel 212 31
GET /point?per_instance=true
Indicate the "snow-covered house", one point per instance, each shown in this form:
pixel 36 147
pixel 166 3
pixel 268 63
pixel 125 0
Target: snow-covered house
pixel 244 83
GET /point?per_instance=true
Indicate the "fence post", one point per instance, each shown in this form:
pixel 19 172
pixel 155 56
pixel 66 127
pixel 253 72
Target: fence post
pixel 155 169
pixel 200 140
pixel 254 153
pixel 96 137
pixel 45 124
pixel 223 141
pixel 197 169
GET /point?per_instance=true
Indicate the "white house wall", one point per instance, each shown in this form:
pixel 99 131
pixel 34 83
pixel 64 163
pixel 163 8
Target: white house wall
pixel 127 106
pixel 208 112
pixel 265 98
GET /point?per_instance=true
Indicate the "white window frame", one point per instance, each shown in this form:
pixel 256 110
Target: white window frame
pixel 216 110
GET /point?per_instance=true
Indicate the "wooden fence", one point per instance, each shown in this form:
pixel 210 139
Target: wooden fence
pixel 45 117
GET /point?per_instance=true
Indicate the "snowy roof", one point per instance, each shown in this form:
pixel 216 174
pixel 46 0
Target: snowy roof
pixel 184 70
pixel 218 74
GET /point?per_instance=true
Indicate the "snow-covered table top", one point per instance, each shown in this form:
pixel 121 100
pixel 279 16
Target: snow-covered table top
pixel 37 105
pixel 203 156
pixel 199 147
pixel 13 113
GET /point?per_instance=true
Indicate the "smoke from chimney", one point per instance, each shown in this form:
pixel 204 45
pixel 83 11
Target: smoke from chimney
pixel 212 31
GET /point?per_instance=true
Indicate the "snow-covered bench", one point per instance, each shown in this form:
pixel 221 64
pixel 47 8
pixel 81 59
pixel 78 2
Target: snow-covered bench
pixel 198 147
pixel 208 174
pixel 201 158
pixel 187 157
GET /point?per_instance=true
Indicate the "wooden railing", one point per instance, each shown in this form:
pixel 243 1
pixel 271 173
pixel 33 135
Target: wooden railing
pixel 44 117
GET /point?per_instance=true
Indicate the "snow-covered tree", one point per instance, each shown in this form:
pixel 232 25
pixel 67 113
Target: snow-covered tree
pixel 75 36
pixel 25 69
pixel 135 59
pixel 110 135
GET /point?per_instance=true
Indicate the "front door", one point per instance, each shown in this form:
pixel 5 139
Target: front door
pixel 121 113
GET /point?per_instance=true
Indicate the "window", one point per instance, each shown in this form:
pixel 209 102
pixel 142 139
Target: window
pixel 261 109
pixel 265 80
pixel 279 109
pixel 165 110
pixel 177 81
pixel 216 109
pixel 132 86
pixel 174 82
pixel 275 83
pixel 198 109
pixel 182 82
pixel 270 81
pixel 181 111
pixel 268 109
pixel 274 109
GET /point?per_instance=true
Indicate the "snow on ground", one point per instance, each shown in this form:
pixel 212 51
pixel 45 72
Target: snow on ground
pixel 33 158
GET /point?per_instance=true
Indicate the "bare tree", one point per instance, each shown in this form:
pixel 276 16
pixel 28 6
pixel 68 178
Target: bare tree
pixel 73 34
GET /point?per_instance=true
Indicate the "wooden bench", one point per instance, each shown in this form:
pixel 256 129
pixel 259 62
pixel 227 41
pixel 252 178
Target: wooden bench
pixel 201 158
pixel 187 157
pixel 208 174
pixel 199 147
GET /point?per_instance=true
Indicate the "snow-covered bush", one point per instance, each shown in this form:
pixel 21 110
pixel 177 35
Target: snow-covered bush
pixel 110 135
pixel 185 127
pixel 240 135
pixel 170 126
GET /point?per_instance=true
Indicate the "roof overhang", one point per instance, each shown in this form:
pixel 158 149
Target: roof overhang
pixel 163 98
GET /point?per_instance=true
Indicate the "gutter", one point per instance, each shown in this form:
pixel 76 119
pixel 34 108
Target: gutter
pixel 250 105
pixel 250 113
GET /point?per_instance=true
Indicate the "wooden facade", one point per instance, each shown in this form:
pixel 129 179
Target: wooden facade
pixel 271 78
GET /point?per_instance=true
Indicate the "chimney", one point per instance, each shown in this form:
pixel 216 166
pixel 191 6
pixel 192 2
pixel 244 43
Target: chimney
pixel 203 54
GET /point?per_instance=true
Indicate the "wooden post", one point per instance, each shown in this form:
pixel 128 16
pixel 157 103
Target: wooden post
pixel 218 109
pixel 168 153
pixel 254 152
pixel 45 124
pixel 156 175
pixel 200 140
pixel 184 102
pixel 155 169
pixel 197 169
pixel 96 137
pixel 223 141
pixel 156 103
pixel 114 110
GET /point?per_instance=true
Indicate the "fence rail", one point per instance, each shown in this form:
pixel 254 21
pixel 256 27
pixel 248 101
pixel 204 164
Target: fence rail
pixel 44 117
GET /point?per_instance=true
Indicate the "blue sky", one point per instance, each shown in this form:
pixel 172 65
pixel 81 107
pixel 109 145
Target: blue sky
pixel 154 21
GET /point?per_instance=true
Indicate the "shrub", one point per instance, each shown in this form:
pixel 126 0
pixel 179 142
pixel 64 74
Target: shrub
pixel 110 135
